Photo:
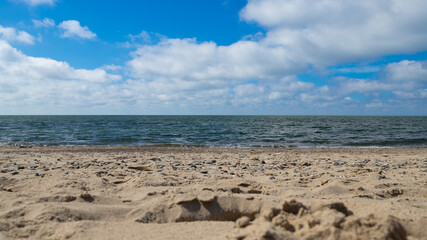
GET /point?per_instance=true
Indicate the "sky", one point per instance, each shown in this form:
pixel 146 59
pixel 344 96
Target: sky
pixel 219 57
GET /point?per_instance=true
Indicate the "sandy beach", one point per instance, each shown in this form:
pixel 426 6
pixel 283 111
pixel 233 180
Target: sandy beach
pixel 212 193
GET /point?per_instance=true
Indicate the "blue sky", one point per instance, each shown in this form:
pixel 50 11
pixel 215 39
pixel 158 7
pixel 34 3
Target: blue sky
pixel 344 57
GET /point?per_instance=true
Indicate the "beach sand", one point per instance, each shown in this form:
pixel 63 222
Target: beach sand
pixel 211 193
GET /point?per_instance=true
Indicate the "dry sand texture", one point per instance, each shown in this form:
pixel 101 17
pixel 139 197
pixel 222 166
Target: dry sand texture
pixel 206 193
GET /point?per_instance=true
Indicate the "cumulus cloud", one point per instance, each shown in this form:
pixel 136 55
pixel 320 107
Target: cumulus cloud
pixel 38 2
pixel 402 77
pixel 26 80
pixel 406 71
pixel 365 86
pixel 300 35
pixel 289 87
pixel 185 70
pixel 192 60
pixel 73 29
pixel 25 68
pixel 328 32
pixel 12 35
pixel 259 72
pixel 31 81
pixel 45 23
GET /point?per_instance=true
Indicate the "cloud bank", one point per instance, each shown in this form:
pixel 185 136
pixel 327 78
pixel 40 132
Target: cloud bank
pixel 259 74
pixel 301 36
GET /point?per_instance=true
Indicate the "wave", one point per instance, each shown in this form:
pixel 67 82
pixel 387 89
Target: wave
pixel 400 142
pixel 214 131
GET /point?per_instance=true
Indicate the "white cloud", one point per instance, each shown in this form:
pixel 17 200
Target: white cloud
pixel 289 87
pixel 326 32
pixel 191 60
pixel 185 72
pixel 72 28
pixel 46 22
pixel 38 2
pixel 33 81
pixel 291 84
pixel 258 72
pixel 419 94
pixel 143 38
pixel 22 68
pixel 366 69
pixel 49 86
pixel 12 35
pixel 351 85
pixel 407 71
pixel 300 35
pixel 112 67
pixel 405 79
pixel 248 90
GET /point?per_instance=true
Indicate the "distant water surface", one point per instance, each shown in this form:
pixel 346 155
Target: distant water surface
pixel 215 131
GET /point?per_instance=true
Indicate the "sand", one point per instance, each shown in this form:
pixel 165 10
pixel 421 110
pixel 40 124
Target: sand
pixel 209 193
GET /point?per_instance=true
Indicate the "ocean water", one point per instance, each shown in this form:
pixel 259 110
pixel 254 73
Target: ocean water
pixel 215 131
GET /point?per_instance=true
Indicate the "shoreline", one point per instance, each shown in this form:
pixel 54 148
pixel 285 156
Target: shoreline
pixel 206 146
pixel 173 146
pixel 152 192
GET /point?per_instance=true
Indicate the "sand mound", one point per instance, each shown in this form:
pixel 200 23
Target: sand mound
pixel 205 206
pixel 319 221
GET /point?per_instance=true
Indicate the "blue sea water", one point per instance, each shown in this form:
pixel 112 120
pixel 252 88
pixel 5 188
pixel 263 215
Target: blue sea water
pixel 215 131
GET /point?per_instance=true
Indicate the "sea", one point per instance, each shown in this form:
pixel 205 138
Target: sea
pixel 216 131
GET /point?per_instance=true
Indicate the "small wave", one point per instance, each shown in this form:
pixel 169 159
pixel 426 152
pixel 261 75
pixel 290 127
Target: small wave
pixel 400 142
pixel 34 144
pixel 114 141
pixel 321 127
pixel 214 131
pixel 126 139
